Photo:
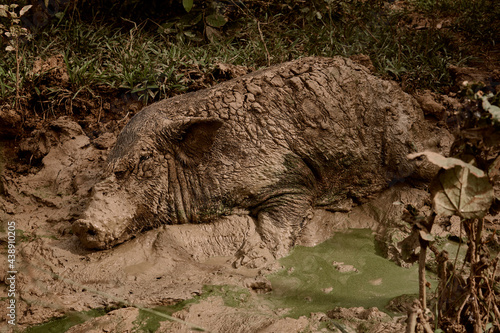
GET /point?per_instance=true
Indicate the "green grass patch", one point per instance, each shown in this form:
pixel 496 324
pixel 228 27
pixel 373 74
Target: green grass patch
pixel 476 20
pixel 164 56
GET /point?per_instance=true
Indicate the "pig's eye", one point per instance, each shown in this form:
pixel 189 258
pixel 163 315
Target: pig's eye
pixel 144 158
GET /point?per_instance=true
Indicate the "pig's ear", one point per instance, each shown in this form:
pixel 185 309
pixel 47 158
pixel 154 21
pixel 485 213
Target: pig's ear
pixel 195 137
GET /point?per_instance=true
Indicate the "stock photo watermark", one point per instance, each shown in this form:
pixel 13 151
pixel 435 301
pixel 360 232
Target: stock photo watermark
pixel 11 275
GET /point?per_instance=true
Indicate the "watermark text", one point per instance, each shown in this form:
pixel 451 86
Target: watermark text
pixel 11 273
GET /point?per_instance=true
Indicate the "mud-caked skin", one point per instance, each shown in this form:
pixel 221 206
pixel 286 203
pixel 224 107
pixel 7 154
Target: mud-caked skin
pixel 273 144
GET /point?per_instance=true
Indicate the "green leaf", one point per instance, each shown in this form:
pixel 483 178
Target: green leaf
pixel 216 20
pixel 25 9
pixel 409 245
pixel 426 236
pixel 188 4
pixel 447 162
pixel 493 109
pixel 459 192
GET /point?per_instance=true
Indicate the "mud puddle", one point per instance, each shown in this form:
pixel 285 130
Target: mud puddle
pixel 149 320
pixel 344 271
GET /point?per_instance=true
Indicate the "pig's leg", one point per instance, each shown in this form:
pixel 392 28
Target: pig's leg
pixel 280 215
pixel 278 225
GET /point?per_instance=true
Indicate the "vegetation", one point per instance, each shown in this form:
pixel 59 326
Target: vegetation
pixel 174 50
pixel 14 33
pixel 468 298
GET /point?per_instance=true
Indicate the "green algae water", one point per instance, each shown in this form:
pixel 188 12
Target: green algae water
pixel 63 324
pixel 312 282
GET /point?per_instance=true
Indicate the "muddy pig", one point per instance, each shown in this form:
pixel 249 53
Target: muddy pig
pixel 271 144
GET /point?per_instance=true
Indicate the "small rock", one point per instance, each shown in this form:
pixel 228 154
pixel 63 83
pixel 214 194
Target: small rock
pixel 428 103
pixel 52 69
pixel 230 71
pixel 105 141
pixel 343 268
pixel 260 285
pixel 364 60
pixel 9 122
pixel 327 290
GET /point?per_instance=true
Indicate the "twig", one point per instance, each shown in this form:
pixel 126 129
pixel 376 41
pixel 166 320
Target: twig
pixel 458 249
pixel 100 109
pixel 411 322
pixel 497 314
pixel 414 313
pixel 425 323
pixel 265 47
pixel 479 231
pixel 17 76
pixel 466 299
pixel 442 260
pixel 472 234
pixel 119 121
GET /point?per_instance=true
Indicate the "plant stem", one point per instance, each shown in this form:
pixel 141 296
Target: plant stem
pixel 421 261
pixel 411 323
pixel 17 75
pixel 421 274
pixel 472 234
pixel 268 56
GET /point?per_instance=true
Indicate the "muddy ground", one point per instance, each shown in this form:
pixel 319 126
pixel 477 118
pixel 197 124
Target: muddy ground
pixel 48 168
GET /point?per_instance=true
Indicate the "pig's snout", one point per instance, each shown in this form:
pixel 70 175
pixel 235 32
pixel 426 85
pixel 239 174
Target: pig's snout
pixel 107 220
pixel 93 236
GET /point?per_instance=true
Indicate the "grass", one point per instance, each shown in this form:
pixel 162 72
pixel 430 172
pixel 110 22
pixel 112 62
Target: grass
pixel 155 60
pixel 478 20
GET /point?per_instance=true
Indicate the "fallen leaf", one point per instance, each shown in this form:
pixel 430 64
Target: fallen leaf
pixel 447 162
pixel 460 192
